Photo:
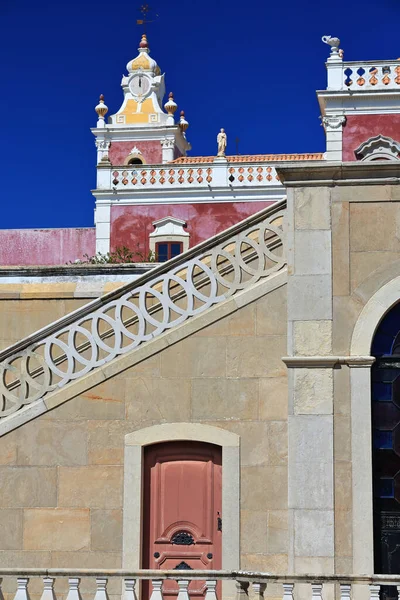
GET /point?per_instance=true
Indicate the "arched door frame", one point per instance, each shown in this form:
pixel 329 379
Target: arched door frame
pixel 360 389
pixel 133 486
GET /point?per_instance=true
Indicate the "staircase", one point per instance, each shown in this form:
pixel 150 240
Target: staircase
pixel 121 321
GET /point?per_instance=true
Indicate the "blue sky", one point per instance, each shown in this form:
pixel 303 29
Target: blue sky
pixel 251 68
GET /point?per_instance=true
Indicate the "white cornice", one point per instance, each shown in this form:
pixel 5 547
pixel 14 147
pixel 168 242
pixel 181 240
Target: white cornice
pixel 318 362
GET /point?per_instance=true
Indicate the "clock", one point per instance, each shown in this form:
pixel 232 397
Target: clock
pixel 139 85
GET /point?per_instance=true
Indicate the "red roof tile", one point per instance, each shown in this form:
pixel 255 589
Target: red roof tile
pixel 250 158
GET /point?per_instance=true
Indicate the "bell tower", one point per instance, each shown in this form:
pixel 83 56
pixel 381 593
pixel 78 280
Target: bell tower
pixel 140 132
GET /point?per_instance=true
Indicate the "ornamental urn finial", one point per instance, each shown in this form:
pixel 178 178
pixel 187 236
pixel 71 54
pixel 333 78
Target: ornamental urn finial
pixel 183 124
pixel 144 45
pixel 334 43
pixel 101 108
pixel 171 105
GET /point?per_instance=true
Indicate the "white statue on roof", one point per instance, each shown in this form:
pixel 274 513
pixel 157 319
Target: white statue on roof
pixel 222 141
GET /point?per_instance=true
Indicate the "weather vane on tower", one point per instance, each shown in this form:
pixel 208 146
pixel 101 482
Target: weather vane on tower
pixel 145 9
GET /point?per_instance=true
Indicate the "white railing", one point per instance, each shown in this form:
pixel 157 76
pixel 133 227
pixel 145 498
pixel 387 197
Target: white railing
pixel 140 311
pixel 67 584
pixel 190 176
pixel 365 75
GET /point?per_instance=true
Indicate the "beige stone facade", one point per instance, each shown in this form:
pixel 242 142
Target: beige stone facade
pixel 284 369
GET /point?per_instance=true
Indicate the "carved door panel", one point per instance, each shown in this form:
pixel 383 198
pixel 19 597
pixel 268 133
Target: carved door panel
pixel 182 509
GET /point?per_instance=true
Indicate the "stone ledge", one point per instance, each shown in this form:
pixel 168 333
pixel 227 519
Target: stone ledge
pixel 317 362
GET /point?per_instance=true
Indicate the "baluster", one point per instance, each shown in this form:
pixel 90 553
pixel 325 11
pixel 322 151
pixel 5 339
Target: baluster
pixel 130 592
pixel 258 590
pixel 211 585
pixel 101 591
pixel 241 590
pixel 22 589
pixel 183 585
pixel 48 589
pixel 374 591
pixel 345 591
pixel 1 591
pixel 316 591
pixel 156 594
pixel 397 586
pixel 73 592
pixel 288 591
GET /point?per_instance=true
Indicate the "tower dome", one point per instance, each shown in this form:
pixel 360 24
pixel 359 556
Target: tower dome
pixel 143 61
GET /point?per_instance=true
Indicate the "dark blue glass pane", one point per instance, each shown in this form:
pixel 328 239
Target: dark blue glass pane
pixel 175 250
pixel 386 333
pixel 383 439
pixel 382 392
pixel 162 252
pixel 386 488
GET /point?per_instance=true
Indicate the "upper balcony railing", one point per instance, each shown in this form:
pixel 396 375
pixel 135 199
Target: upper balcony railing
pixel 364 75
pixel 189 176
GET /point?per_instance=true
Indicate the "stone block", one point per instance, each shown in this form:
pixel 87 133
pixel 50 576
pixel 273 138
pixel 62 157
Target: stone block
pixel 346 310
pixel 311 462
pixel 312 208
pixel 277 443
pixel 277 533
pixel 315 565
pixel 195 357
pixel 149 400
pixel 343 533
pixel 11 528
pixel 106 441
pixel 10 559
pixel 365 194
pixel 271 312
pixel 104 401
pixel 51 443
pixel 56 529
pixel 224 399
pixel 343 485
pixel 253 535
pixel 313 391
pixel 375 227
pixel 341 389
pixel 8 448
pixel 106 530
pixel 86 560
pixel 254 440
pixel 28 486
pixel 314 533
pixel 264 487
pixel 363 264
pixel 256 357
pixel 312 255
pixel 340 249
pixel 342 437
pixel 312 338
pixel 273 398
pixel 92 487
pixel 309 297
pixel 265 563
pixel 23 317
pixel 150 367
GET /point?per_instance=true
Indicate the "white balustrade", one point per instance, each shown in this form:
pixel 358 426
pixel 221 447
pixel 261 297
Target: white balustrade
pixel 141 311
pixel 48 589
pixel 190 176
pixel 311 586
pixel 366 75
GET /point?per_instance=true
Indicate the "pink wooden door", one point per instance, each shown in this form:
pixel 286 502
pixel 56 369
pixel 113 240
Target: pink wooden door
pixel 182 509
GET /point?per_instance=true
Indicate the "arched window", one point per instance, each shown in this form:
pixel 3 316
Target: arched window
pixel 135 161
pixel 386 445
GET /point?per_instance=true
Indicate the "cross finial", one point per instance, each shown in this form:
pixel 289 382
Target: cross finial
pixel 145 9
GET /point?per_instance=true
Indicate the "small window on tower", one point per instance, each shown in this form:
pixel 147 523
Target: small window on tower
pixel 167 250
pixel 135 161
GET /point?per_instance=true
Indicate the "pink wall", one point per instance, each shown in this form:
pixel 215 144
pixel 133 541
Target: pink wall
pixel 151 151
pixel 359 128
pixel 132 225
pixel 20 247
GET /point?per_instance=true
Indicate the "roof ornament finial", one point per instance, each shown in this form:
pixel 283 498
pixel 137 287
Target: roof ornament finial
pixel 145 9
pixel 171 106
pixel 334 43
pixel 102 110
pixel 183 124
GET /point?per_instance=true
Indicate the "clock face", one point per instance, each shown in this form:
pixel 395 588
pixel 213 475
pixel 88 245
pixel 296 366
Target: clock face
pixel 139 85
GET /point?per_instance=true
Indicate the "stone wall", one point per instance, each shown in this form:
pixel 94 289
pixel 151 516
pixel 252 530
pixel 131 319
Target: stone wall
pixel 62 474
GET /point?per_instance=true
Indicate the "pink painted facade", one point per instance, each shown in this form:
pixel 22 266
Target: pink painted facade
pixel 151 151
pixel 132 225
pixel 26 247
pixel 359 128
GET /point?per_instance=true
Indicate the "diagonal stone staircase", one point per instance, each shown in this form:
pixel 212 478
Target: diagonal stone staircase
pixel 117 324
